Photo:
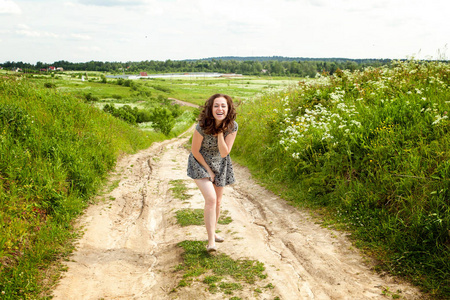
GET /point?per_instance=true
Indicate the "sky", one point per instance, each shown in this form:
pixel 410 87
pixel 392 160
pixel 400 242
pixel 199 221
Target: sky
pixel 139 30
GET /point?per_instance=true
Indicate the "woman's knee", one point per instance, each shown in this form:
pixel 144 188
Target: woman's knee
pixel 210 201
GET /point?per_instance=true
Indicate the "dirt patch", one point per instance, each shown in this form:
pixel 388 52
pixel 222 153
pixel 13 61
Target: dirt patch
pixel 129 247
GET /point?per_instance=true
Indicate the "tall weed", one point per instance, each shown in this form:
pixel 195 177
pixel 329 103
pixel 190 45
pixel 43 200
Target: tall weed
pixel 373 148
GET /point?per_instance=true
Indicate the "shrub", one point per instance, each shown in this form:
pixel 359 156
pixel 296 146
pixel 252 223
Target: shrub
pixel 49 85
pixel 125 113
pixel 162 88
pixel 144 116
pixel 163 120
pixel 90 98
pixel 175 109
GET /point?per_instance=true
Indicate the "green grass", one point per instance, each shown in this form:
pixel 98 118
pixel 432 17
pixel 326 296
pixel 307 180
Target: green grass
pixel 179 189
pixel 368 150
pixel 188 216
pixel 56 152
pixel 219 272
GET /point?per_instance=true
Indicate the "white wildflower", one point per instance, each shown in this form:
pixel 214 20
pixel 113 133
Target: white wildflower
pixel 438 119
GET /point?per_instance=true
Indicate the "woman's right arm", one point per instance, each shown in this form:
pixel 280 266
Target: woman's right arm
pixel 197 140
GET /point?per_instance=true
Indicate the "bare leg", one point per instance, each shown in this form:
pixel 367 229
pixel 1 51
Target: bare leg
pixel 219 194
pixel 209 193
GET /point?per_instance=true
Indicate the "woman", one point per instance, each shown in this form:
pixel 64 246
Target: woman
pixel 209 163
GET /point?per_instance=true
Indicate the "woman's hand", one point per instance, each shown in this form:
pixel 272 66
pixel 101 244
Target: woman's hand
pixel 225 143
pixel 212 176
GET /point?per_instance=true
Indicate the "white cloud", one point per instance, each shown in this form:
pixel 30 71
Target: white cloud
pixel 26 31
pixel 81 36
pixel 112 2
pixel 178 29
pixel 8 7
pixel 89 49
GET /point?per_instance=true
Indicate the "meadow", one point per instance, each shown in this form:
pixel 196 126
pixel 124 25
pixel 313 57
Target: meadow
pixel 368 152
pixel 191 89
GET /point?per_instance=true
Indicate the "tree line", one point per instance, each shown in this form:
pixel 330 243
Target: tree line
pixel 271 66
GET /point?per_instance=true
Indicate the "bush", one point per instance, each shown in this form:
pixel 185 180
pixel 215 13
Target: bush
pixel 163 120
pixel 125 113
pixel 175 109
pixel 143 116
pixel 49 85
pixel 90 98
pixel 162 88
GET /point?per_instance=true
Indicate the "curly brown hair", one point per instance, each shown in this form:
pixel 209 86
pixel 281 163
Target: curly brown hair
pixel 207 121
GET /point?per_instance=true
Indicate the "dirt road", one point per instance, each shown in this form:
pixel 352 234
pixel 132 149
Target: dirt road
pixel 129 248
pixel 183 103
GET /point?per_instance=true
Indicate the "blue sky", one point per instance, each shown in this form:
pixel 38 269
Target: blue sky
pixel 136 30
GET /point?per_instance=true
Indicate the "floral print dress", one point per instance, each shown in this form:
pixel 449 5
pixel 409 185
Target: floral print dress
pixel 221 166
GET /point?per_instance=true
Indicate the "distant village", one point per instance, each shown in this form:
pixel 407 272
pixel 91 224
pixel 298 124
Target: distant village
pixel 51 68
pixel 143 75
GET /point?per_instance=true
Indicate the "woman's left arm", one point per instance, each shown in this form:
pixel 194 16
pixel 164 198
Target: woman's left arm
pixel 225 143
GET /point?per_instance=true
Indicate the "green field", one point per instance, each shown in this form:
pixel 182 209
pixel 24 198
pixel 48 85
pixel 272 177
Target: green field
pixel 190 89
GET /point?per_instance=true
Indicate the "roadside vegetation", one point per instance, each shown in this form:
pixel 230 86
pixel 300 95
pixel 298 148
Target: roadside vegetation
pixel 56 152
pixel 369 150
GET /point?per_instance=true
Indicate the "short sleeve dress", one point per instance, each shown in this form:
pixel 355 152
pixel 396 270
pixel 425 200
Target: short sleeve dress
pixel 221 166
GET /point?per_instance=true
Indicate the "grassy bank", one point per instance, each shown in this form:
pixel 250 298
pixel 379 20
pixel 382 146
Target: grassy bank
pixel 370 150
pixel 55 152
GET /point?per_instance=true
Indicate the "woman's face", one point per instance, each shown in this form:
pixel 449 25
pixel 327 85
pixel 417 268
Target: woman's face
pixel 220 109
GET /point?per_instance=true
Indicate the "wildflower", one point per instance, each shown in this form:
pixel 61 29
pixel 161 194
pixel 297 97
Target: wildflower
pixel 354 122
pixel 438 119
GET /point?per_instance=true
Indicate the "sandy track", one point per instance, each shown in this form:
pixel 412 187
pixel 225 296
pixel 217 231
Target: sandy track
pixel 184 103
pixel 129 248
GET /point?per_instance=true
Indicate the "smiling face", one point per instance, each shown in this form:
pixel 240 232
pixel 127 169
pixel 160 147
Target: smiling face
pixel 220 109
